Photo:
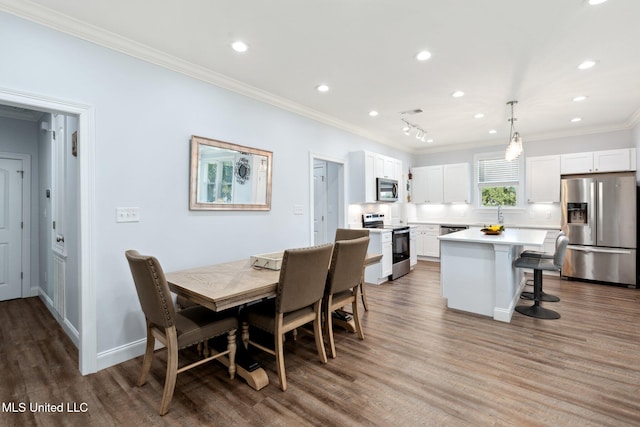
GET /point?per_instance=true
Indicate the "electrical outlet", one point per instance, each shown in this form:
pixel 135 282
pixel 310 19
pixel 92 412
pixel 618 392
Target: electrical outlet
pixel 127 214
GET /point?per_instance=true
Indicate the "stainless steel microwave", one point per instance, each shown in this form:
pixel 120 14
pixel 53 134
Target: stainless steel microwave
pixel 386 190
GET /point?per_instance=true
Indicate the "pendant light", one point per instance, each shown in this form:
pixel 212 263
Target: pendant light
pixel 514 147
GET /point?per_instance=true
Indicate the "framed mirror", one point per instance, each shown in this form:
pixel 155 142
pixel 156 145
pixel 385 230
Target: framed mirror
pixel 227 176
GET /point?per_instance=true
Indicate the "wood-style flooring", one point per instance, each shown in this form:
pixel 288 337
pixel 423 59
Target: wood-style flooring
pixel 420 364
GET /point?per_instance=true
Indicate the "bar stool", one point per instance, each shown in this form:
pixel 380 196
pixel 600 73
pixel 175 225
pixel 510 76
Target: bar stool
pixel 541 255
pixel 539 265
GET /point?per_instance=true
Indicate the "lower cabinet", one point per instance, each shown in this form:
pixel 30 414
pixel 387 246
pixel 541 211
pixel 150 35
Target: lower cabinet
pixel 427 241
pixel 413 246
pixel 380 243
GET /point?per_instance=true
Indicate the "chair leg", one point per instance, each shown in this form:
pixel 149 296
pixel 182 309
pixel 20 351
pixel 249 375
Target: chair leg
pixel 172 370
pixel 328 315
pixel 364 296
pixel 317 332
pixel 148 357
pixel 279 350
pixel 356 316
pixel 231 346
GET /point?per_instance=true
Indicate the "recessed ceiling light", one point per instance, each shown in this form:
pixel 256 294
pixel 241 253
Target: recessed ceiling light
pixel 373 113
pixel 423 55
pixel 239 46
pixel 576 120
pixel 492 131
pixel 478 116
pixel 457 94
pixel 322 88
pixel 430 140
pixel 587 64
pixel 595 2
pixel 579 98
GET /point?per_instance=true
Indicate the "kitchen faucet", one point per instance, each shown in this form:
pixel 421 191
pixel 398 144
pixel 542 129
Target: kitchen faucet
pixel 500 215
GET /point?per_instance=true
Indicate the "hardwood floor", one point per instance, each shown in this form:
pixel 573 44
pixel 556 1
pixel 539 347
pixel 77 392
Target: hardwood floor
pixel 420 364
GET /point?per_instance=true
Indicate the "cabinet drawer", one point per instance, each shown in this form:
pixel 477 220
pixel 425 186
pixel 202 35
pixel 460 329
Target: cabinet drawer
pixel 385 237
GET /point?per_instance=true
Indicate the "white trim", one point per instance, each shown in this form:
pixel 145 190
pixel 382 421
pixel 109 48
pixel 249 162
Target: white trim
pixel 116 355
pixel 26 219
pixel 342 178
pixel 86 157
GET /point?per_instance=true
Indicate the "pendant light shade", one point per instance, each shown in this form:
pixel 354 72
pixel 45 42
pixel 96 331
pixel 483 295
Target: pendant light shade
pixel 514 147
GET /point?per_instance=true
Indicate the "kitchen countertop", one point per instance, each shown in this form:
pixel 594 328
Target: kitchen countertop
pixel 507 237
pixel 480 224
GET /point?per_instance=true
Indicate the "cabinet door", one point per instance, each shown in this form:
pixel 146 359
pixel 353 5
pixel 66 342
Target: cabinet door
pixel 369 178
pixel 456 186
pixel 576 163
pixel 434 189
pixel 419 185
pixel 413 248
pixel 387 258
pixel 613 160
pixel 432 244
pixel 543 179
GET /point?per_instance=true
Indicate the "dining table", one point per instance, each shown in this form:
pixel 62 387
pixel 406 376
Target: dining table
pixel 231 285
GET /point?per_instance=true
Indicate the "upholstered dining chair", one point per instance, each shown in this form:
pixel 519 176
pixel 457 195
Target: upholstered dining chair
pixel 343 280
pixel 298 301
pixel 176 330
pixel 355 233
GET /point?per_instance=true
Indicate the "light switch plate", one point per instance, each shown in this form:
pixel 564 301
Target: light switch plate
pixel 127 214
pixel 298 210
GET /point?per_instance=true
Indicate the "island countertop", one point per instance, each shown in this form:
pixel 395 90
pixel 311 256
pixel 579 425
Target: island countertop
pixel 524 237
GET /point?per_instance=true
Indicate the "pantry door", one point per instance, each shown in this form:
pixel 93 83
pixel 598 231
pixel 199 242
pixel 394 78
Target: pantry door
pixel 10 229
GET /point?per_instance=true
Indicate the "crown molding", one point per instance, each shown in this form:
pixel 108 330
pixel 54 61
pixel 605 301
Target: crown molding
pixel 634 120
pixel 74 27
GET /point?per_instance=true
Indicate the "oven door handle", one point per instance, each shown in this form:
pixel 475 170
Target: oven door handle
pixel 401 231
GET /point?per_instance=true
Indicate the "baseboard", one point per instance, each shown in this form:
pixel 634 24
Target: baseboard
pixel 117 355
pixel 67 326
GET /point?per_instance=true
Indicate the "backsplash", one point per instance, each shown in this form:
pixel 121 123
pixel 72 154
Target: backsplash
pixel 401 213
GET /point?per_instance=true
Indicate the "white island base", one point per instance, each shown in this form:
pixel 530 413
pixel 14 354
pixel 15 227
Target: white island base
pixel 477 273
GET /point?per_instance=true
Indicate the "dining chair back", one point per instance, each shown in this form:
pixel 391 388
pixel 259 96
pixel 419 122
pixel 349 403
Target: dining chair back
pixel 300 290
pixel 350 234
pixel 176 330
pixel 343 280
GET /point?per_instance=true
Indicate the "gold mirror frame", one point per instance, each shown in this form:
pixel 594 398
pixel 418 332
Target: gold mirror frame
pixel 227 176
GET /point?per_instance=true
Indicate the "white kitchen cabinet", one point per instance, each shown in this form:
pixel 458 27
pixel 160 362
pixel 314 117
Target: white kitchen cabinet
pixel 614 160
pixel 598 161
pixel 362 182
pixel 427 185
pixel 413 246
pixel 456 185
pixel 427 241
pixel 380 243
pixel 365 167
pixel 543 179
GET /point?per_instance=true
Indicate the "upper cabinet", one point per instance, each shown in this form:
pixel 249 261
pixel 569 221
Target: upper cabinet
pixel 456 188
pixel 365 167
pixel 543 179
pixel 441 184
pixel 598 161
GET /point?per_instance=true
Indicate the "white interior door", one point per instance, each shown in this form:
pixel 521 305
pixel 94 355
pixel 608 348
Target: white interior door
pixel 320 202
pixel 10 229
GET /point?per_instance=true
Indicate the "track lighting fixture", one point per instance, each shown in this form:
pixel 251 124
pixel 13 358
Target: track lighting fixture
pixel 421 134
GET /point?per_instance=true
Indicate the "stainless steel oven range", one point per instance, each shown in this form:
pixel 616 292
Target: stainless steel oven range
pixel 400 243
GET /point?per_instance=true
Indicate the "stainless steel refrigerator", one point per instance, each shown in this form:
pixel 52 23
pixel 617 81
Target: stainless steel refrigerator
pixel 599 217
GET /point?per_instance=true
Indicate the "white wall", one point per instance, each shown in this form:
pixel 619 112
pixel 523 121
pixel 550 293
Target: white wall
pixel 144 117
pixel 21 137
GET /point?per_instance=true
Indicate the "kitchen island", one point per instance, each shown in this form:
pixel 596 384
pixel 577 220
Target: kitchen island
pixel 477 273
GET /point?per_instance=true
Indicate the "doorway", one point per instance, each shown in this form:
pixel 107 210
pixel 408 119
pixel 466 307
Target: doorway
pixel 87 334
pixel 327 198
pixel 11 228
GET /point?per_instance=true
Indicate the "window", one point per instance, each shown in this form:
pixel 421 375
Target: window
pixel 219 175
pixel 498 180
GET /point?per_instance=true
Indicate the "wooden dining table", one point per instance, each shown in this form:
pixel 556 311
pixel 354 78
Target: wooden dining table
pixel 230 285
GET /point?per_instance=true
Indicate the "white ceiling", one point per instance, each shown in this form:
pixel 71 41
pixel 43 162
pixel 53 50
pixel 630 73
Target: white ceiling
pixel 493 50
